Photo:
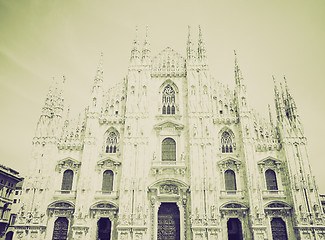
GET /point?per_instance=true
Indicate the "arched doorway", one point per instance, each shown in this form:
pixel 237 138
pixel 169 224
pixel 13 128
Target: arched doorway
pixel 168 222
pixel 9 235
pixel 279 231
pixel 234 229
pixel 104 229
pixel 60 231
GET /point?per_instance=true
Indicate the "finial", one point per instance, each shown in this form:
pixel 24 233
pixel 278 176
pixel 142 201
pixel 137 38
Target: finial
pixel 146 31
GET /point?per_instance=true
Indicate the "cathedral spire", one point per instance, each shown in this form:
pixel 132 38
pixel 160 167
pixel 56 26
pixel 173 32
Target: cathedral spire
pixel 100 72
pixel 238 74
pixel 190 46
pixel 53 105
pixel 135 52
pixel 146 50
pixel 201 48
pixel 278 101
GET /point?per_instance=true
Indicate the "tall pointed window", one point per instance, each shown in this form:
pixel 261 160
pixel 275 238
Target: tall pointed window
pixel 230 180
pixel 168 148
pixel 226 143
pixel 111 143
pixel 107 185
pixel 168 100
pixel 270 177
pixel 67 180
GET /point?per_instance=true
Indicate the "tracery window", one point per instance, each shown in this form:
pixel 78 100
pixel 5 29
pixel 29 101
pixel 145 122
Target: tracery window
pixel 111 143
pixel 107 185
pixel 226 143
pixel 168 100
pixel 230 180
pixel 270 177
pixel 67 180
pixel 168 150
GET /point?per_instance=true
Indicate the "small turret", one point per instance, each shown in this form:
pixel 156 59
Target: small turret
pixel 146 52
pixel 190 47
pixel 135 52
pixel 238 73
pixel 52 110
pixel 97 88
pixel 201 49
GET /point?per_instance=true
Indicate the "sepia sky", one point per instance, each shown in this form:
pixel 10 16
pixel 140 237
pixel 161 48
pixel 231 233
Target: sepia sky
pixel 42 39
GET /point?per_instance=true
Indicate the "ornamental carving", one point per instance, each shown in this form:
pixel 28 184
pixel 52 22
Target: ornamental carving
pixel 68 163
pixel 168 189
pixel 103 209
pixel 229 163
pixel 108 164
pixel 233 209
pixel 269 163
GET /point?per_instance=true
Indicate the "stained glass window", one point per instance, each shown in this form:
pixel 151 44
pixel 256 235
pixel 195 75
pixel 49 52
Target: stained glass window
pixel 67 180
pixel 168 100
pixel 168 150
pixel 111 143
pixel 107 185
pixel 230 180
pixel 270 177
pixel 226 143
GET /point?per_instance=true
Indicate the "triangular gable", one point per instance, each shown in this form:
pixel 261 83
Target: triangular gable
pixel 68 161
pixel 108 161
pixel 269 159
pixel 229 159
pixel 169 124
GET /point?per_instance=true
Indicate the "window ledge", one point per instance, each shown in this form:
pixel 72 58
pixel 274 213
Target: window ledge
pixel 273 194
pixel 169 167
pixel 232 194
pixel 66 194
pixel 172 116
pixel 102 195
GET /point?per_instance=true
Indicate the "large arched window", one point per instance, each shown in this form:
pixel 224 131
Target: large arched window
pixel 230 180
pixel 226 143
pixel 107 185
pixel 270 177
pixel 111 143
pixel 168 100
pixel 67 180
pixel 168 150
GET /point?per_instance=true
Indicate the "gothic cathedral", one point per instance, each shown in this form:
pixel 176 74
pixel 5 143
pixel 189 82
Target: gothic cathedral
pixel 169 153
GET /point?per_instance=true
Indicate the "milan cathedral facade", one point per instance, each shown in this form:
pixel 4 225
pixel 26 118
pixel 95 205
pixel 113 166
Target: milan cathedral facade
pixel 169 153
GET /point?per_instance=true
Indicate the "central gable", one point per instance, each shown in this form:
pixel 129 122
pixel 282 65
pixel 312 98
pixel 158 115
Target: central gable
pixel 168 63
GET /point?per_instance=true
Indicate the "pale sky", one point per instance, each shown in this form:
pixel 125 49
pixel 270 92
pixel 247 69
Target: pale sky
pixel 42 39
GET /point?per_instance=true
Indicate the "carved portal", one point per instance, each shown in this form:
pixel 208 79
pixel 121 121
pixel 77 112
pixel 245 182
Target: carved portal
pixel 168 210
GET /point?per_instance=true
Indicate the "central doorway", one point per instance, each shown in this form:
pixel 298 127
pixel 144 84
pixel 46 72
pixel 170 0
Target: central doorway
pixel 168 222
pixel 104 229
pixel 234 229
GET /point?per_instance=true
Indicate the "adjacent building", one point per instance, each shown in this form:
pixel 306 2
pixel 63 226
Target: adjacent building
pixel 170 153
pixel 8 180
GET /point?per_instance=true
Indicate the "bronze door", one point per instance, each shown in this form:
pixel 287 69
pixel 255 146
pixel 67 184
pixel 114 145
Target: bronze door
pixel 279 231
pixel 60 231
pixel 168 222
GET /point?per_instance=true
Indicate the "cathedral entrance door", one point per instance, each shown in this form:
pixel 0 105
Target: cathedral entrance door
pixel 168 222
pixel 60 231
pixel 104 229
pixel 234 229
pixel 279 231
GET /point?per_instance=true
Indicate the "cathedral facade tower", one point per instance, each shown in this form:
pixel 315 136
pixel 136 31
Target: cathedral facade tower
pixel 169 153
